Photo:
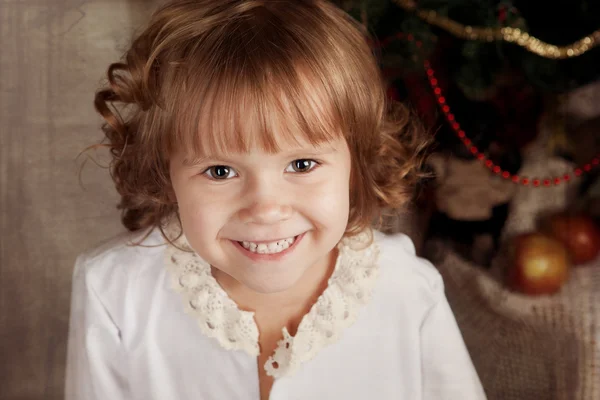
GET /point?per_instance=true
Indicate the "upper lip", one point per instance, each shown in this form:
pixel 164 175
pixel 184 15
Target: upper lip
pixel 267 240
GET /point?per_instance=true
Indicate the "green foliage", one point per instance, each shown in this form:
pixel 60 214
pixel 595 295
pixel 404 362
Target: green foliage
pixel 473 65
pixel 480 65
pixel 372 10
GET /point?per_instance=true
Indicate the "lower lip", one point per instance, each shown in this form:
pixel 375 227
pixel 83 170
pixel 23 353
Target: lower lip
pixel 268 257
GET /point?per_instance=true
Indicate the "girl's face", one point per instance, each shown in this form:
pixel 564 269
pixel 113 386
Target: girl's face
pixel 265 219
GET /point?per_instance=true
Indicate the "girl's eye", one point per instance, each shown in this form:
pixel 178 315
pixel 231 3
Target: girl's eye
pixel 220 172
pixel 301 165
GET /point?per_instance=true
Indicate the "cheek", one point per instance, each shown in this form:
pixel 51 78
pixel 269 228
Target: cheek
pixel 202 216
pixel 328 203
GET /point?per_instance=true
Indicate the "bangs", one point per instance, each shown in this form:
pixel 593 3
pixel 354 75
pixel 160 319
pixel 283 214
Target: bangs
pixel 259 85
pixel 243 110
pixel 255 106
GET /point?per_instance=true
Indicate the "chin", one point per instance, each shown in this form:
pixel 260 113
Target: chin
pixel 271 284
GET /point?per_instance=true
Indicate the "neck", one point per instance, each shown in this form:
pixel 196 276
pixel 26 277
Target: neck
pixel 285 308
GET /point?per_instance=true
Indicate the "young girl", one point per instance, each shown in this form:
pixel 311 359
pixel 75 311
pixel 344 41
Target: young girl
pixel 254 150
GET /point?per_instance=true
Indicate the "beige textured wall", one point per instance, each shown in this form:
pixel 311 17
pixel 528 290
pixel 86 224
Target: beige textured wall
pixel 53 54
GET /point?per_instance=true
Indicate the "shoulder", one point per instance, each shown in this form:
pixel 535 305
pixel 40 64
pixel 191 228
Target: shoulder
pixel 121 253
pixel 114 271
pixel 406 277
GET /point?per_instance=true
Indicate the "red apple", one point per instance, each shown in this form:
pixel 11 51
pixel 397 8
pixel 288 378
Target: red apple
pixel 539 264
pixel 579 233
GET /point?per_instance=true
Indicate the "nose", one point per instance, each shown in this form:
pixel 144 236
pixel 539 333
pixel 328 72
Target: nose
pixel 267 204
pixel 266 213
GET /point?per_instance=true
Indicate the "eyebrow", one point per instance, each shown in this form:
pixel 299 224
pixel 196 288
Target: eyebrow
pixel 195 160
pixel 316 152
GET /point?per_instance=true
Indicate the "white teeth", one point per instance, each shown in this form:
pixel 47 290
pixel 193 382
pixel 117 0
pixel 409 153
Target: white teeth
pixel 268 248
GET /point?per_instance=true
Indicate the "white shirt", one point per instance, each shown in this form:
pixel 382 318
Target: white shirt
pixel 150 323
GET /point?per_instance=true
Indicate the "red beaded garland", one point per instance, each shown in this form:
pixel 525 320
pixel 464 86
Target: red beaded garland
pixel 451 118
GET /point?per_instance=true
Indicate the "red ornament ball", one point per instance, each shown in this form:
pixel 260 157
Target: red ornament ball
pixel 578 232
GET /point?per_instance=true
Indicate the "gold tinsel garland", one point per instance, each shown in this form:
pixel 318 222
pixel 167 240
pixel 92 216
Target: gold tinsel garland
pixel 507 34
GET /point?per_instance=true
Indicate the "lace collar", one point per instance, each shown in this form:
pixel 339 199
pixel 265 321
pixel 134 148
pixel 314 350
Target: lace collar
pixel 219 317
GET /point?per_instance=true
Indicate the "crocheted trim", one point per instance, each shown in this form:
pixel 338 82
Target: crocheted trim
pixel 349 287
pixel 217 315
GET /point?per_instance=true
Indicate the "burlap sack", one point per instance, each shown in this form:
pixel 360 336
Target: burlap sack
pixel 525 347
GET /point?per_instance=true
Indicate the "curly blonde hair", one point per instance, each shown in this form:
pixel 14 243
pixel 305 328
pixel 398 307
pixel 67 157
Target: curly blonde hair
pixel 205 73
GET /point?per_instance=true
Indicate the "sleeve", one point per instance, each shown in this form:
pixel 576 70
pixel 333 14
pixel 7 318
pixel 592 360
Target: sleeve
pixel 447 369
pixel 95 368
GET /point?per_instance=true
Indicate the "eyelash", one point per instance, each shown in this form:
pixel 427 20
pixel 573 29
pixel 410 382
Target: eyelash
pixel 209 171
pixel 313 165
pixel 210 175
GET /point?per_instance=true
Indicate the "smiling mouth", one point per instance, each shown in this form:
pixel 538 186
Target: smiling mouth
pixel 269 247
